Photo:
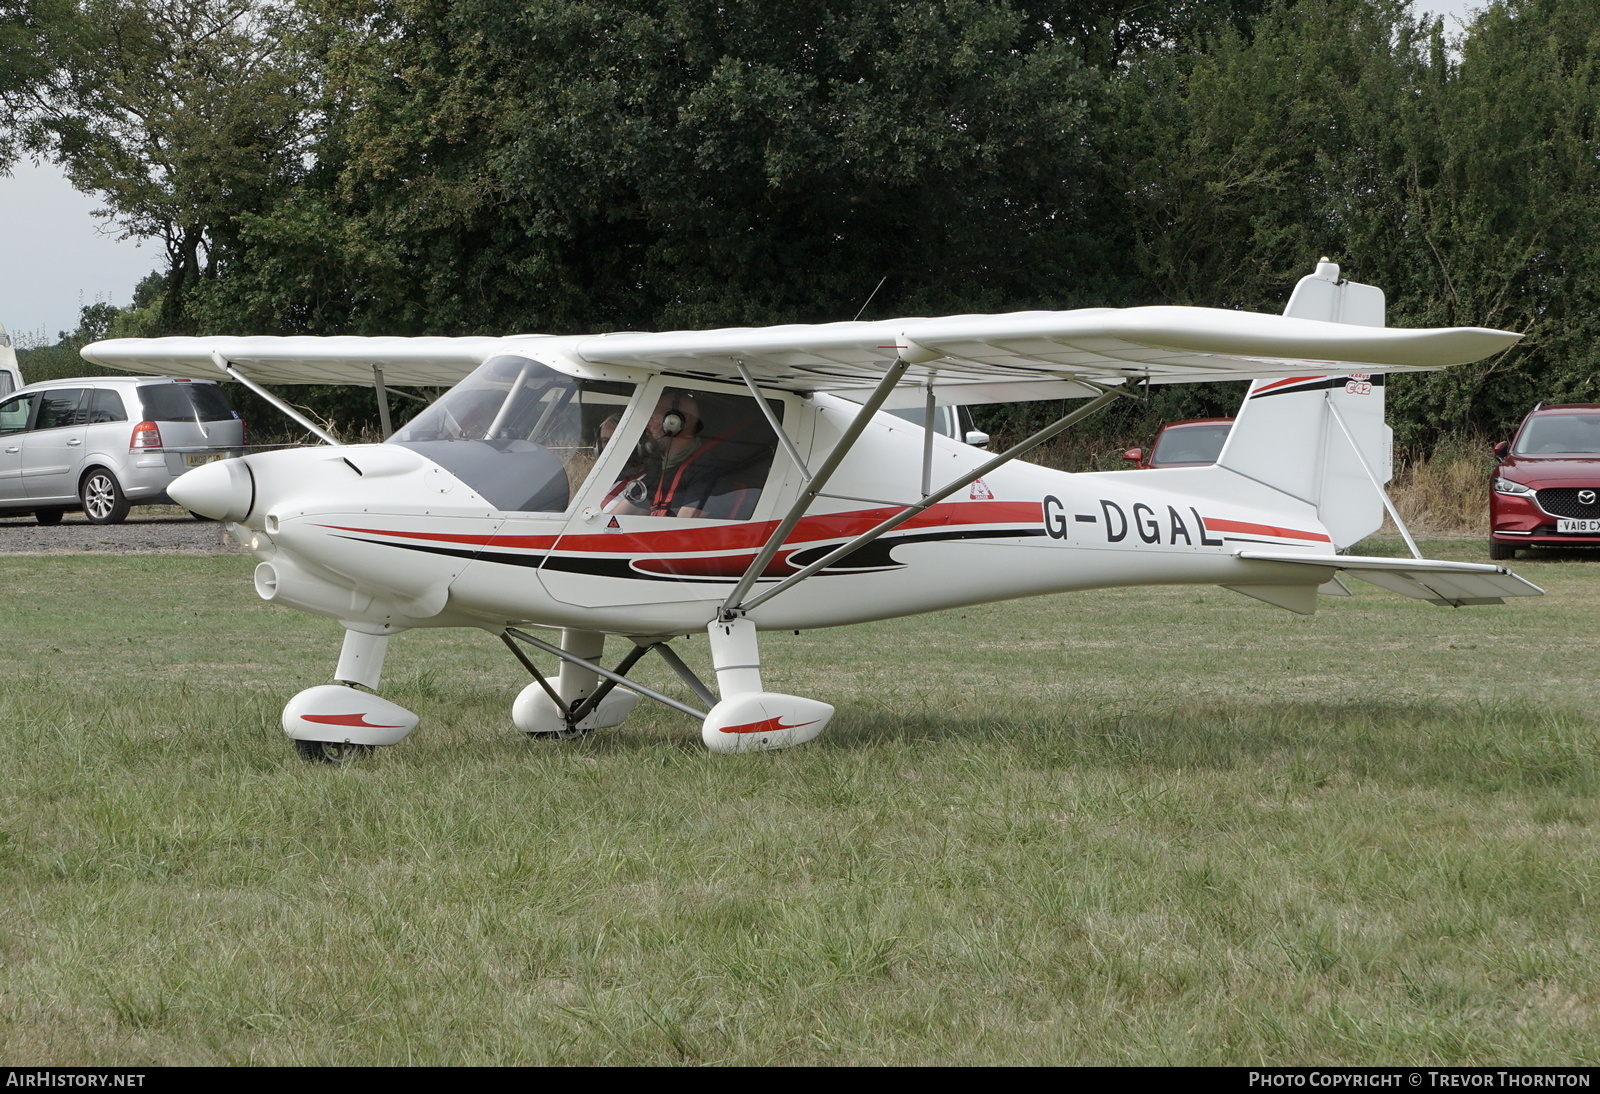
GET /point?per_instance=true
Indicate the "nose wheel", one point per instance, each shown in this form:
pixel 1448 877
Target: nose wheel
pixel 568 733
pixel 330 752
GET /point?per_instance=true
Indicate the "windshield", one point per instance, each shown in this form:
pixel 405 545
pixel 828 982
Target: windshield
pixel 519 433
pixel 1190 444
pixel 1560 434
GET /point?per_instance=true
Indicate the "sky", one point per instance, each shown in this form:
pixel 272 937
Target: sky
pixel 59 257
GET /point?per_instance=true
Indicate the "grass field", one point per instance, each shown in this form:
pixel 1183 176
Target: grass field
pixel 1143 826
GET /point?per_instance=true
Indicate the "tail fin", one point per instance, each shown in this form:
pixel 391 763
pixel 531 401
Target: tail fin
pixel 1288 436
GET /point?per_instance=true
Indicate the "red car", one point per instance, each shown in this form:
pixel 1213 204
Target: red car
pixel 1194 443
pixel 1546 491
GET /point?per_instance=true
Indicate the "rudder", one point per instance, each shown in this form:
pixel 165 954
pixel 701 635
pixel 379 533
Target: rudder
pixel 1288 434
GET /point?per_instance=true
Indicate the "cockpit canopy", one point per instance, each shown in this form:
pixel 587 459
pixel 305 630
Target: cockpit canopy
pixel 519 433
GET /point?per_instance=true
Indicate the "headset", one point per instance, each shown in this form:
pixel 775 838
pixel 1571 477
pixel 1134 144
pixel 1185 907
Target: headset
pixel 673 421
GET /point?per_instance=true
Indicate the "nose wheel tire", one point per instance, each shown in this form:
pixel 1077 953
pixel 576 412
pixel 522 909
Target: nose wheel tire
pixel 571 733
pixel 102 497
pixel 330 752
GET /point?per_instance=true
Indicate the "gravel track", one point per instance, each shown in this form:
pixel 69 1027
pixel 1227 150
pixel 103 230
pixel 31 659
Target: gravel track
pixel 158 529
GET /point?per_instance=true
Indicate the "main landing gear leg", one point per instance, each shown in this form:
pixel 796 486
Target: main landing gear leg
pixel 538 716
pixel 749 718
pixel 333 723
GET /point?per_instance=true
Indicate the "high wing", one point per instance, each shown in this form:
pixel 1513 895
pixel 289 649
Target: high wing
pixel 305 359
pixel 967 358
pixel 1040 354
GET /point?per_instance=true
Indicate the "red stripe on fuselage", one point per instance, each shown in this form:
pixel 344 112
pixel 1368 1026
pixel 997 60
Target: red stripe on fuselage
pixel 1216 524
pixel 735 537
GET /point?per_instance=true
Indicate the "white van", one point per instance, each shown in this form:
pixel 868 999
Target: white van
pixel 10 374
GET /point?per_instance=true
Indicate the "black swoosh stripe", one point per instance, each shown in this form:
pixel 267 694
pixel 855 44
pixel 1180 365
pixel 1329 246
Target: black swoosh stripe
pixel 878 554
pixel 1329 384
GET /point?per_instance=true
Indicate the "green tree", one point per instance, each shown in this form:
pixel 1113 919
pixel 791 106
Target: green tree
pixel 58 361
pixel 573 164
pixel 26 65
pixel 1502 199
pixel 180 114
pixel 1247 162
pixel 1107 33
pixel 1466 189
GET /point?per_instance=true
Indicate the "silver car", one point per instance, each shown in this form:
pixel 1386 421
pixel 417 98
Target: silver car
pixel 104 443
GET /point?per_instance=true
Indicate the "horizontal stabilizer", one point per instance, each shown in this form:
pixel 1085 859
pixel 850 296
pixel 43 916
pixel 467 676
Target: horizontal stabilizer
pixel 1448 584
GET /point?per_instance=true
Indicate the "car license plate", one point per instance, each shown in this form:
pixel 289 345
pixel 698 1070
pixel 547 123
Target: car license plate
pixel 1581 527
pixel 196 459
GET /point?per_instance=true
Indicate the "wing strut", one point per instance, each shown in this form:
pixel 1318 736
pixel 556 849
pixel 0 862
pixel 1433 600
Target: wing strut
pixel 1108 395
pixel 383 401
pixel 218 360
pixel 772 420
pixel 614 677
pixel 818 480
pixel 686 674
pixel 1394 514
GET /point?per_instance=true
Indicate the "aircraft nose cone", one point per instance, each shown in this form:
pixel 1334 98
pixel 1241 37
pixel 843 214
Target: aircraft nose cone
pixel 225 490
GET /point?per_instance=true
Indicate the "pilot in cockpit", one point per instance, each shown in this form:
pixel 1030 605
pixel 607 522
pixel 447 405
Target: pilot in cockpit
pixel 673 473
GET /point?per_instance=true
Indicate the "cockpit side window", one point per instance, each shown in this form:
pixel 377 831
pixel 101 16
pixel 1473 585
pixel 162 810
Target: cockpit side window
pixel 519 433
pixel 700 454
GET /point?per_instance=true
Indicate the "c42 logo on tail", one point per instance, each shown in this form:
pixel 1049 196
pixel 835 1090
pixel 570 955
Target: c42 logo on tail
pixel 1143 522
pixel 1359 383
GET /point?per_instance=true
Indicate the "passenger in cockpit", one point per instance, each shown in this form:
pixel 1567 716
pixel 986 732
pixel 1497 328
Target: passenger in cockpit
pixel 673 475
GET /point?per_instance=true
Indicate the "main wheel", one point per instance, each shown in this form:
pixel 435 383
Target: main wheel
pixel 571 733
pixel 1500 552
pixel 330 752
pixel 102 497
pixel 48 516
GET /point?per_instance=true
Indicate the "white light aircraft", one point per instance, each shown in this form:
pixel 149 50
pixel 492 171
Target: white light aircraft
pixel 646 487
